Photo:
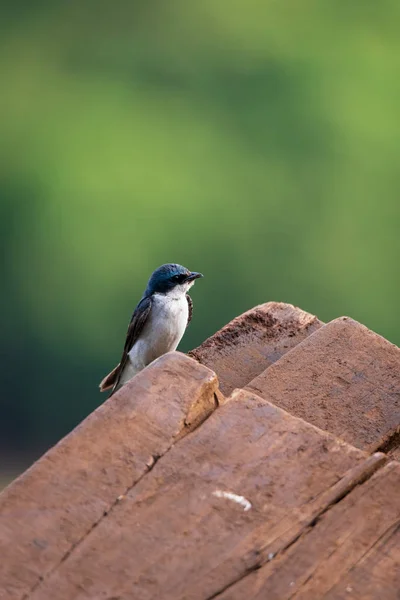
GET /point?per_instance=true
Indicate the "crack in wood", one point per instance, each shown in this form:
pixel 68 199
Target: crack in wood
pixel 150 464
pixel 335 494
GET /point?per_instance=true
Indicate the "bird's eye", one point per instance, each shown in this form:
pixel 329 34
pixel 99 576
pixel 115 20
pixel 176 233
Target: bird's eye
pixel 176 277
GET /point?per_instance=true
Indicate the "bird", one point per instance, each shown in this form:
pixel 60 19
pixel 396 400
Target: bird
pixel 157 324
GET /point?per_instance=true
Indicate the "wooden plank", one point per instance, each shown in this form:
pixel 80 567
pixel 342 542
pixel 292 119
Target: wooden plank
pixel 344 379
pixel 394 453
pixel 47 511
pixel 252 477
pixel 352 551
pixel 252 342
pixel 377 576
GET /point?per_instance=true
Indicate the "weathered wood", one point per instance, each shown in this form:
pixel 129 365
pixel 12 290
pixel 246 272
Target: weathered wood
pixel 390 444
pixel 394 453
pixel 47 511
pixel 251 477
pixel 344 379
pixel 250 343
pixel 352 551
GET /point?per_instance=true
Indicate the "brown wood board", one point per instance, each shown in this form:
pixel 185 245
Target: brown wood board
pixel 253 341
pixel 46 512
pixel 351 552
pixel 179 534
pixel 344 379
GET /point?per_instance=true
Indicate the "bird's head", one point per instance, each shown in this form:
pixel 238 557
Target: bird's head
pixel 171 279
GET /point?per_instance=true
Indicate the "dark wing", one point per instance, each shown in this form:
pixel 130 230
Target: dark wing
pixel 138 321
pixel 190 304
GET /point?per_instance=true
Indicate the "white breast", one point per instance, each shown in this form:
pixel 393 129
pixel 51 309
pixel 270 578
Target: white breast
pixel 163 331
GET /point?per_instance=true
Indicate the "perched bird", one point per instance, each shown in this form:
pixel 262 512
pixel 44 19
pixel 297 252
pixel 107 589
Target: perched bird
pixel 157 325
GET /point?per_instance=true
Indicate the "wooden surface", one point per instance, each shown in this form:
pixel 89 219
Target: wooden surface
pixel 351 552
pixel 169 491
pixel 179 533
pixel 344 379
pixel 50 509
pixel 252 342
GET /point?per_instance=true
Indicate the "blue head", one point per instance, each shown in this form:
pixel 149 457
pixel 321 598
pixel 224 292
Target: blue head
pixel 171 277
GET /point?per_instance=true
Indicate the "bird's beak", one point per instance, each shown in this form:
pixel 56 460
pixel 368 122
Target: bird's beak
pixel 194 276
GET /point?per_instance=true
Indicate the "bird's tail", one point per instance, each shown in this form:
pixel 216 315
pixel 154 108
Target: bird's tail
pixel 109 381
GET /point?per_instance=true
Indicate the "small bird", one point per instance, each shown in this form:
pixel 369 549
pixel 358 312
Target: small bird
pixel 157 324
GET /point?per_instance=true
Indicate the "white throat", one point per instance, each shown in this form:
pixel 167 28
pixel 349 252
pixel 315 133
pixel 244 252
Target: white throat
pixel 179 290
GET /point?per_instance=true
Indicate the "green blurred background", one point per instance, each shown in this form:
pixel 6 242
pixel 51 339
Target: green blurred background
pixel 256 142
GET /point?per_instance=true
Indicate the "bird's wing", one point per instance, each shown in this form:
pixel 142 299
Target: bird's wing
pixel 190 305
pixel 137 322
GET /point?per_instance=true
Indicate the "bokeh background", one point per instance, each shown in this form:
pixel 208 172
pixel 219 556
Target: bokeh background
pixel 257 142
